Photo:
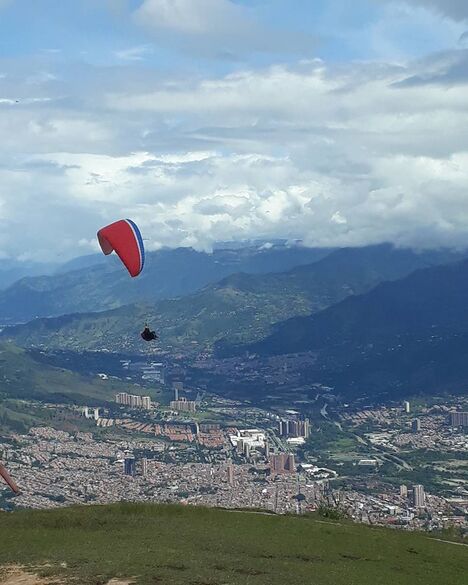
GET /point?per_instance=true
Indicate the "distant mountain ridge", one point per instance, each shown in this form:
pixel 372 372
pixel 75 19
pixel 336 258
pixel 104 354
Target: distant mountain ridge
pixel 168 273
pixel 429 299
pixel 238 309
pixel 13 270
pixel 81 262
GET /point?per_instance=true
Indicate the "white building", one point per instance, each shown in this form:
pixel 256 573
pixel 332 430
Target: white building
pixel 91 412
pixel 419 497
pixel 248 439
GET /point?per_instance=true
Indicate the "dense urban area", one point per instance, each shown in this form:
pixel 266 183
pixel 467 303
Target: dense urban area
pixel 403 464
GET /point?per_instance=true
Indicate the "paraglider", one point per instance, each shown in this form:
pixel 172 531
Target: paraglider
pixel 125 239
pixel 6 476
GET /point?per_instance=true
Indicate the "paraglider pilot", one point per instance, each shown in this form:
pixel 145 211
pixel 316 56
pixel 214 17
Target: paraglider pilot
pixel 148 335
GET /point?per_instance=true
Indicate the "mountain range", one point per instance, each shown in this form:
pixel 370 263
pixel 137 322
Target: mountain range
pixel 14 270
pixel 377 319
pixel 432 301
pixel 239 309
pixel 408 334
pixel 93 285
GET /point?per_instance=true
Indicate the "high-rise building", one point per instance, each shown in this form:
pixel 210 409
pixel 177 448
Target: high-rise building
pixel 416 425
pixel 459 419
pixel 403 491
pixel 177 387
pixel 283 426
pixel 294 428
pixel 419 497
pixel 133 400
pixel 144 467
pixel 267 449
pixel 129 465
pixel 282 463
pixel 146 402
pixel 184 405
pixel 290 464
pixel 230 473
pixel 406 406
pixel 277 463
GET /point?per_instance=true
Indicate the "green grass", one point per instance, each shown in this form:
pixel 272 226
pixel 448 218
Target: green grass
pixel 197 546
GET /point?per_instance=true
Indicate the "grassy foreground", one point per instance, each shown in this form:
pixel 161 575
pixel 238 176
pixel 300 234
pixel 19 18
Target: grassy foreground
pixel 198 546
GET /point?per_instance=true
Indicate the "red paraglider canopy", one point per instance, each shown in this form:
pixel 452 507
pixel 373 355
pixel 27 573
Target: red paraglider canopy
pixel 125 239
pixel 6 476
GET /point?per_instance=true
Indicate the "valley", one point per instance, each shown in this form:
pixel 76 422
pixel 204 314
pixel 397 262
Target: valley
pixel 337 376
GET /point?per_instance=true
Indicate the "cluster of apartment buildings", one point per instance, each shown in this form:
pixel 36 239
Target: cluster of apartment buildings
pixel 294 428
pixel 133 401
pixel 183 405
pixel 130 465
pixel 417 494
pixel 459 419
pixel 282 463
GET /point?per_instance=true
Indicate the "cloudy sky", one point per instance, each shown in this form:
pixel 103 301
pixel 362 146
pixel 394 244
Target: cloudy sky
pixel 335 122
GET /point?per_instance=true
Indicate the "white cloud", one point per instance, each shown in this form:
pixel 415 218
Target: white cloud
pixel 197 17
pixel 215 28
pixel 335 155
pixel 137 53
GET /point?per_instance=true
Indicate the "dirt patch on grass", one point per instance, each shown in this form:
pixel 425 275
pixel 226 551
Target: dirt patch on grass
pixel 18 576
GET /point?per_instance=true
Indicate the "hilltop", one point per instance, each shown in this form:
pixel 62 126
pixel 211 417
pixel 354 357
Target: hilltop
pixel 188 545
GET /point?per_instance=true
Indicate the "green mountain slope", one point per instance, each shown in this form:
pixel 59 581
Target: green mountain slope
pixel 427 302
pixel 176 545
pixel 407 335
pixel 23 377
pixel 241 308
pixel 167 274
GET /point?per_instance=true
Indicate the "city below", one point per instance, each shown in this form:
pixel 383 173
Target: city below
pixel 401 465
